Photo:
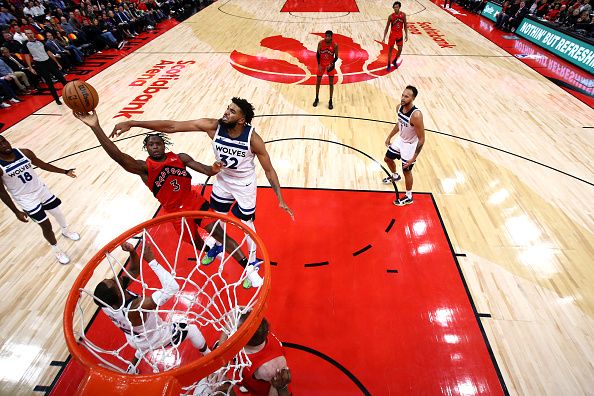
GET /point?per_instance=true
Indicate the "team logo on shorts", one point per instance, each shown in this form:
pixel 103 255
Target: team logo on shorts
pixel 354 65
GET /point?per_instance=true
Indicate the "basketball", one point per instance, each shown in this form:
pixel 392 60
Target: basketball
pixel 80 96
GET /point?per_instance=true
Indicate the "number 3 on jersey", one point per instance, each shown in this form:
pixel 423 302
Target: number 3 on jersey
pixel 175 185
pixel 233 161
pixel 25 177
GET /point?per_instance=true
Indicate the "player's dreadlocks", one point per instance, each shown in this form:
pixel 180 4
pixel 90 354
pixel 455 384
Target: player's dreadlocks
pixel 166 141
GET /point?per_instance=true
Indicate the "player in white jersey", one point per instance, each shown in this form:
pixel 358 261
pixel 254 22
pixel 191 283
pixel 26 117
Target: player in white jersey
pixel 31 194
pixel 136 315
pixel 235 143
pixel 408 145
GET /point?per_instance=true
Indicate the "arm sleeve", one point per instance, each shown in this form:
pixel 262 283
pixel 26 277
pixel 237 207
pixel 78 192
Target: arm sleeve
pixel 169 285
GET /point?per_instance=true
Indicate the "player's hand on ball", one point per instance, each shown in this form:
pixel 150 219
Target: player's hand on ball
pixel 283 205
pixel 217 166
pixel 22 216
pixel 120 128
pixel 90 119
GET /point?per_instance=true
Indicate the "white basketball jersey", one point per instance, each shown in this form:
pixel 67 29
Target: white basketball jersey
pixel 152 334
pixel 235 153
pixel 18 176
pixel 408 134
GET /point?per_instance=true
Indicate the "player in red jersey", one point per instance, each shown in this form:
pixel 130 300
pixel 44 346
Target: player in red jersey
pixel 327 56
pixel 166 175
pixel 396 22
pixel 268 373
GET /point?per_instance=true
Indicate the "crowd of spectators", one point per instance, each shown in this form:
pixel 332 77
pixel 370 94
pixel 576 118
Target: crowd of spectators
pixel 43 39
pixel 575 16
pixel 572 15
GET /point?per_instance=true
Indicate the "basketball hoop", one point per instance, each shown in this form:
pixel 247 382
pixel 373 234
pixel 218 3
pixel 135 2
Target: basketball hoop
pixel 211 297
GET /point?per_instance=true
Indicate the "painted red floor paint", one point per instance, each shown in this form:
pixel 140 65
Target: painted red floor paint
pixel 93 65
pixel 570 78
pixel 351 327
pixel 352 67
pixel 320 6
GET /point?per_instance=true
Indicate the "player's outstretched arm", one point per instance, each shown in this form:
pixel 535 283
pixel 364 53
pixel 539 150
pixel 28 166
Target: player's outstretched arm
pixel 45 166
pixel 124 160
pixel 134 268
pixel 208 125
pixel 22 216
pixel 169 285
pixel 258 148
pixel 209 170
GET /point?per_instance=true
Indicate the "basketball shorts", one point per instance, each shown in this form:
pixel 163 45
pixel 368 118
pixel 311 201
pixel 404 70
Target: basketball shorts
pixel 36 203
pixel 397 39
pixel 400 150
pixel 237 195
pixel 323 68
pixel 194 202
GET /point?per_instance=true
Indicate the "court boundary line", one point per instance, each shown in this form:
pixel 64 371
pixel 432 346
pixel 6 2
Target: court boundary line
pixel 477 316
pixel 426 129
pixel 219 8
pixel 47 389
pixel 353 148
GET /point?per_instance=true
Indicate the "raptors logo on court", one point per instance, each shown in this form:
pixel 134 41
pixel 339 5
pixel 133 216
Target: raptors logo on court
pixel 354 65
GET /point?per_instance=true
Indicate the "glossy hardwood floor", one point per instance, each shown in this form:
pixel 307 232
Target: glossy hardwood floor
pixel 527 229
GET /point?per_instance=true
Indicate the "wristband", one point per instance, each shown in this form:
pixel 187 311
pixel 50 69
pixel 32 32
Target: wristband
pixel 66 171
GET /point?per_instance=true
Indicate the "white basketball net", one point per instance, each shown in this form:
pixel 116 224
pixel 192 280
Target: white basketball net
pixel 210 297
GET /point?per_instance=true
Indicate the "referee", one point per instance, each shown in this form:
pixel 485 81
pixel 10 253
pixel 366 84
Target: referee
pixel 44 63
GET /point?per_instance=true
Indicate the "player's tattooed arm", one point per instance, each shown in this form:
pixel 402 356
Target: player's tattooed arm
pixel 209 170
pixel 208 125
pixel 45 166
pixel 258 148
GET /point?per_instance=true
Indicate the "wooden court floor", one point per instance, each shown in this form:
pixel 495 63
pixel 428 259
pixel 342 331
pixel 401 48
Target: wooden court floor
pixel 508 158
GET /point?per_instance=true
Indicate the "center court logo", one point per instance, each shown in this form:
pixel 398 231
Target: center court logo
pixel 354 66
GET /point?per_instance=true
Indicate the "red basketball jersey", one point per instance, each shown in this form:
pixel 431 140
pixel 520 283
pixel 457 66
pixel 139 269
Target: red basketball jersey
pixel 170 181
pixel 397 22
pixel 326 52
pixel 271 350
